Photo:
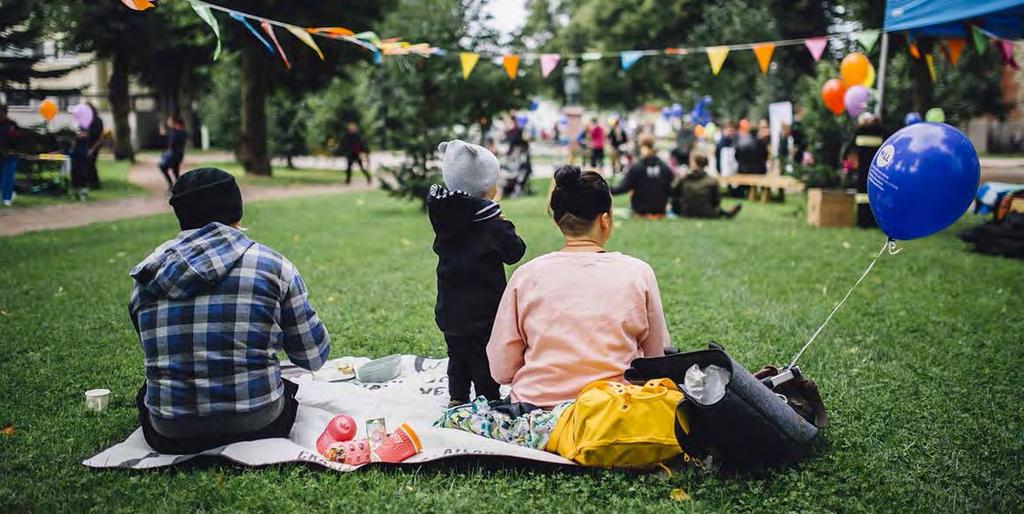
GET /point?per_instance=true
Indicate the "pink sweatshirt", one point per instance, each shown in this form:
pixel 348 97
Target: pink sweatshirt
pixel 570 318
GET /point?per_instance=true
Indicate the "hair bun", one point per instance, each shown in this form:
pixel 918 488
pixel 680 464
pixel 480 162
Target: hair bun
pixel 567 176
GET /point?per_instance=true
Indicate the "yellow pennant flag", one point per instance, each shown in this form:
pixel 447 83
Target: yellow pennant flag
pixel 716 56
pixel 763 52
pixel 931 65
pixel 468 60
pixel 304 36
pixel 511 65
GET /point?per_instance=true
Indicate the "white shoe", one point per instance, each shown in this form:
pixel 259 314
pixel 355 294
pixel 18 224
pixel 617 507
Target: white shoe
pixel 7 203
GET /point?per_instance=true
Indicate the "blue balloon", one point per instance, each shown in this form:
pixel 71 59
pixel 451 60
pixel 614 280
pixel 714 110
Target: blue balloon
pixel 521 120
pixel 677 110
pixel 922 180
pixel 534 105
pixel 912 118
pixel 666 112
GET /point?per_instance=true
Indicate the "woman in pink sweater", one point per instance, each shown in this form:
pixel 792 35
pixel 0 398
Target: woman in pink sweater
pixel 580 314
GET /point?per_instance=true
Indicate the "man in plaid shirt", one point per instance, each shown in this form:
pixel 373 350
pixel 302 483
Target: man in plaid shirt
pixel 212 309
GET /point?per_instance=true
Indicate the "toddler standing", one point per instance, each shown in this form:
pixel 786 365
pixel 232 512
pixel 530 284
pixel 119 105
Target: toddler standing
pixel 472 242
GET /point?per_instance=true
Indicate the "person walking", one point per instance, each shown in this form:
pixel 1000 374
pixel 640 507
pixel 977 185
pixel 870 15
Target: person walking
pixel 618 140
pixel 354 148
pixel 9 132
pixel 174 154
pixel 95 140
pixel 596 145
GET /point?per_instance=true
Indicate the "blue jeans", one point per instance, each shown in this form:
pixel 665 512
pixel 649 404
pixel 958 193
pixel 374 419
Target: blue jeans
pixel 7 169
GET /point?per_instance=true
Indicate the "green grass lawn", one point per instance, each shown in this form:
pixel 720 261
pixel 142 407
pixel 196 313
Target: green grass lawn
pixel 921 372
pixel 287 177
pixel 113 178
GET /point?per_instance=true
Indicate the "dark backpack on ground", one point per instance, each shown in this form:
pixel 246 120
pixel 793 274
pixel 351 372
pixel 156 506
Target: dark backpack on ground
pixel 752 427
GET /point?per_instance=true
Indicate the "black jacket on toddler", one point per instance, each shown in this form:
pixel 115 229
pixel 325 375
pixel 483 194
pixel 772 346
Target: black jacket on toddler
pixel 473 243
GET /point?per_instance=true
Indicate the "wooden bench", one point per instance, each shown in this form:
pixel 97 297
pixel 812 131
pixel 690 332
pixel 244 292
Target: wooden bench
pixel 760 185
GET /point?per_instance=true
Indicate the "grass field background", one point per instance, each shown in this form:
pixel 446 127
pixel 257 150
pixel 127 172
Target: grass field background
pixel 921 372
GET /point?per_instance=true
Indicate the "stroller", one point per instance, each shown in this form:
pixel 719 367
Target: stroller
pixel 515 173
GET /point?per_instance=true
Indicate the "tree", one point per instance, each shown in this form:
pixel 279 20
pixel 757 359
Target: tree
pixel 420 102
pixel 23 25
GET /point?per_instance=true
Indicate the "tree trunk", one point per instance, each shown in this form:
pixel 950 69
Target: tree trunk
pixel 252 145
pixel 185 107
pixel 120 106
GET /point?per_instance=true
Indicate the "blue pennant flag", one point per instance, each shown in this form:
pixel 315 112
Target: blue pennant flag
pixel 630 57
pixel 241 19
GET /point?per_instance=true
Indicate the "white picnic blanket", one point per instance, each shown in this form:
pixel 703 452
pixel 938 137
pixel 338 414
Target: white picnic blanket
pixel 417 397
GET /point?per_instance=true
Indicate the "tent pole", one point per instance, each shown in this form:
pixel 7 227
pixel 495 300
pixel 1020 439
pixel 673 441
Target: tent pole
pixel 880 84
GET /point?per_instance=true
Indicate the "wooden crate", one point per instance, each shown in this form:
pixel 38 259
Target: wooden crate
pixel 830 208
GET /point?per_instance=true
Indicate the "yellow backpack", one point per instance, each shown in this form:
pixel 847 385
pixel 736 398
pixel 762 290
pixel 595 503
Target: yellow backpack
pixel 618 425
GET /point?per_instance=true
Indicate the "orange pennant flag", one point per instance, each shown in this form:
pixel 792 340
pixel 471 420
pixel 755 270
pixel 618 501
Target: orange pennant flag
pixel 763 52
pixel 306 38
pixel 716 57
pixel 511 65
pixel 138 5
pixel 334 32
pixel 914 51
pixel 953 48
pixel 931 66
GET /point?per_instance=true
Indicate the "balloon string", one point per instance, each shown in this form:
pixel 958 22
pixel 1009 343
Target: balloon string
pixel 889 245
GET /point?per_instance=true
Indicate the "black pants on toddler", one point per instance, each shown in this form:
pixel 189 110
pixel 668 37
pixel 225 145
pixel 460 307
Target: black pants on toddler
pixel 467 364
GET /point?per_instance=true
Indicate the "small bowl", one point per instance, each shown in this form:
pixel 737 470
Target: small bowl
pixel 97 399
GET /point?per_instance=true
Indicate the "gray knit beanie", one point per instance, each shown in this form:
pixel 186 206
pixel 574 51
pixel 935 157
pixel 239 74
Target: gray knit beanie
pixel 468 168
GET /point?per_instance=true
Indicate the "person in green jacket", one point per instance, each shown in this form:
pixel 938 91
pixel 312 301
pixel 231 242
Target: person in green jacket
pixel 696 194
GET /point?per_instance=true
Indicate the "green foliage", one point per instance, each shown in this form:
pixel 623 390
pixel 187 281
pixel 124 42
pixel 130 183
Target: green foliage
pixel 287 125
pixel 327 111
pixel 23 25
pixel 220 107
pixel 417 103
pixel 928 330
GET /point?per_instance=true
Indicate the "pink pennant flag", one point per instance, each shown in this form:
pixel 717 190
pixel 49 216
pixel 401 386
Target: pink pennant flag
pixel 1006 47
pixel 816 45
pixel 269 29
pixel 548 63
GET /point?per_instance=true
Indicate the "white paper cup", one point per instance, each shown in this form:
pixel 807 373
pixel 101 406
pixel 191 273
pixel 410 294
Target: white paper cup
pixel 97 399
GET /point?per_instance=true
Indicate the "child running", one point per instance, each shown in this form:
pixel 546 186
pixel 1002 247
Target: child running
pixel 472 241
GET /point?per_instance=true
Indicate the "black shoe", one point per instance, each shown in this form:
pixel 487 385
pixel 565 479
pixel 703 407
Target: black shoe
pixel 731 213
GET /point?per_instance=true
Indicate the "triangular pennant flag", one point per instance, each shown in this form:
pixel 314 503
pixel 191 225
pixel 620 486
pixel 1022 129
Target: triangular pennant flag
pixel 304 36
pixel 369 37
pixel 511 65
pixel 867 39
pixel 1006 48
pixel 335 32
pixel 914 51
pixel 548 63
pixel 816 45
pixel 763 52
pixel 953 48
pixel 931 65
pixel 590 56
pixel 468 61
pixel 676 51
pixel 241 19
pixel 207 16
pixel 716 57
pixel 980 39
pixel 269 29
pixel 629 58
pixel 138 5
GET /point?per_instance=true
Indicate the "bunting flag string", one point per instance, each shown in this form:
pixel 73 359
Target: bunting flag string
pixel 867 39
pixel 716 57
pixel 1006 48
pixel 629 58
pixel 980 41
pixel 252 30
pixel 953 48
pixel 931 66
pixel 763 53
pixel 816 45
pixel 304 36
pixel 138 5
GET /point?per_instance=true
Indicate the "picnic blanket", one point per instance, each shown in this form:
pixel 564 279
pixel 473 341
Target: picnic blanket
pixel 417 396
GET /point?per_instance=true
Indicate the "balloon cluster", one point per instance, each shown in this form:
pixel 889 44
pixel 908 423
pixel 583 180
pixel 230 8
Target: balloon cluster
pixel 851 92
pixel 675 111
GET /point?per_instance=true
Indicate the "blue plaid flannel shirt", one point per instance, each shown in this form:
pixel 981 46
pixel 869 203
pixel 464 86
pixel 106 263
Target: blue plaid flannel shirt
pixel 212 308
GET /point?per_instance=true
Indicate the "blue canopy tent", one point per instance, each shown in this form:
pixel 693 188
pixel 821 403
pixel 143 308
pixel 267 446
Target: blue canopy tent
pixel 948 18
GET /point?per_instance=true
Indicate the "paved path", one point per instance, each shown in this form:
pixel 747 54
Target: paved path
pixel 145 175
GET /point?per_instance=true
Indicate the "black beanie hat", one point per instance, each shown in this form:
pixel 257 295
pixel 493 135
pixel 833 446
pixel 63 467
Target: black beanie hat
pixel 205 195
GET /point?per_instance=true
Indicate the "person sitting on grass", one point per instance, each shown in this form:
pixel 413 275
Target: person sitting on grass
pixel 580 314
pixel 212 308
pixel 696 194
pixel 650 180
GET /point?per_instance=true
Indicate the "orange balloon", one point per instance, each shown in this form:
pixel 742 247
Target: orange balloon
pixel 47 109
pixel 832 94
pixel 698 131
pixel 854 69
